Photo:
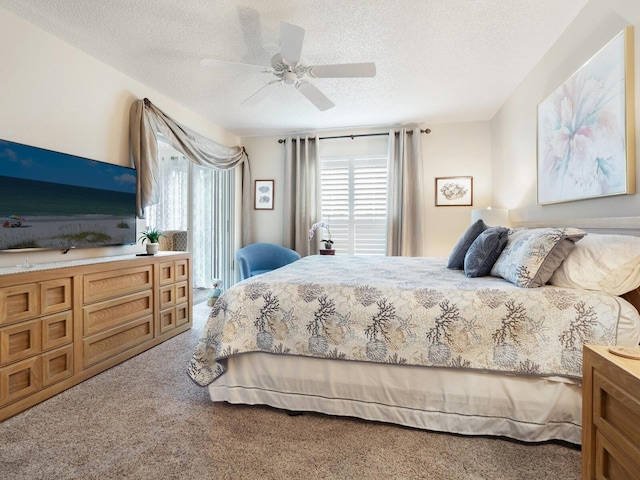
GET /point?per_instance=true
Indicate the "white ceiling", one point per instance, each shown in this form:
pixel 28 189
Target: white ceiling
pixel 438 61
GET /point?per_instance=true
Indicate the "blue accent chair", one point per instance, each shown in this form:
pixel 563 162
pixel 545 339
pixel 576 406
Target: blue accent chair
pixel 260 258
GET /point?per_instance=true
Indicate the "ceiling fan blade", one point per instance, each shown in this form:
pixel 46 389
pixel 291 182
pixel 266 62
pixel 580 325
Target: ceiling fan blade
pixel 291 39
pixel 211 62
pixel 343 70
pixel 315 96
pixel 261 94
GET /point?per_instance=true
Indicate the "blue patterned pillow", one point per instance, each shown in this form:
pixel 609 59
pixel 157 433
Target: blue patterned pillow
pixel 484 251
pixel 456 258
pixel 533 255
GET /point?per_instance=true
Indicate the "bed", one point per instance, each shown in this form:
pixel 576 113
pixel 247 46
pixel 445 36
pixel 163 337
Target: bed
pixel 417 342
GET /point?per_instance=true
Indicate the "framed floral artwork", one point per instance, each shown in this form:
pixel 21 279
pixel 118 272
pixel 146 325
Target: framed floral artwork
pixel 454 191
pixel 263 195
pixel 586 137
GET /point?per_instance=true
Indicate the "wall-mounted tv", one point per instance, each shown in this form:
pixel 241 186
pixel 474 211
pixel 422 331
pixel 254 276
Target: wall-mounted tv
pixel 52 200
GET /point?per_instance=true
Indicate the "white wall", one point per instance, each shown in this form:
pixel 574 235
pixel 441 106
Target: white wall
pixel 56 97
pixel 266 158
pixel 514 127
pixel 449 150
pixel 459 149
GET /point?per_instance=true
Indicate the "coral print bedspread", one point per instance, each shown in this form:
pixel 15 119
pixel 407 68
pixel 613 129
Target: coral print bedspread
pixel 404 310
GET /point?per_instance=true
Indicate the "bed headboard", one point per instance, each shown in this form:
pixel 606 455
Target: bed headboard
pixel 617 225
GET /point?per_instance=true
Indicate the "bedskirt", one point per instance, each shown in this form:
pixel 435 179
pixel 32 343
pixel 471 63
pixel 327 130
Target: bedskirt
pixel 526 408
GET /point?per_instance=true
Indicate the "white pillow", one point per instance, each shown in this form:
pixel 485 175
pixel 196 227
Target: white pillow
pixel 607 263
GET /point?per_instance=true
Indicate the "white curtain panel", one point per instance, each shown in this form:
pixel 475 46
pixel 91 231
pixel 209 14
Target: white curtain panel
pixel 171 211
pixel 406 200
pixel 199 200
pixel 301 192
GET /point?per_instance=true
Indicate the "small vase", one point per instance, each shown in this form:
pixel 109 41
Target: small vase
pixel 152 248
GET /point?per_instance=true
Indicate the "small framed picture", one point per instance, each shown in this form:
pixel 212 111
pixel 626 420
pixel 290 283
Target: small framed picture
pixel 263 195
pixel 454 191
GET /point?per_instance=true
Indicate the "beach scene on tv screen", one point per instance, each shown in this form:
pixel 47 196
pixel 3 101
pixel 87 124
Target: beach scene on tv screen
pixel 54 200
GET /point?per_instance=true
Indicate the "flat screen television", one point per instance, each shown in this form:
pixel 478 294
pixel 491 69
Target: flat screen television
pixel 51 200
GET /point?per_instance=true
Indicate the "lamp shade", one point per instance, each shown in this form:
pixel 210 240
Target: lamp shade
pixel 493 217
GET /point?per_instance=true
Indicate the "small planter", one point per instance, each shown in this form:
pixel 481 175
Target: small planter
pixel 150 238
pixel 327 252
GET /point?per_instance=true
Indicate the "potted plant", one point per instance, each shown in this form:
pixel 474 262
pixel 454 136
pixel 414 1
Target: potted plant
pixel 150 237
pixel 328 243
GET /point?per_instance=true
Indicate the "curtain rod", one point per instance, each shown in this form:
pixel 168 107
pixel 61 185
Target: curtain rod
pixel 426 130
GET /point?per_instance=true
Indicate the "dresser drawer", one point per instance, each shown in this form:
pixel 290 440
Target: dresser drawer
pixel 114 283
pixel 55 296
pixel 18 303
pixel 20 341
pixel 610 415
pixel 167 320
pixel 182 292
pixel 57 330
pixel 182 270
pixel 182 314
pixel 111 313
pixel 57 365
pixel 20 379
pixel 614 463
pixel 110 343
pixel 616 413
pixel 167 296
pixel 167 273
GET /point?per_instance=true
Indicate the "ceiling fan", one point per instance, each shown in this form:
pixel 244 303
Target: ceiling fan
pixel 289 69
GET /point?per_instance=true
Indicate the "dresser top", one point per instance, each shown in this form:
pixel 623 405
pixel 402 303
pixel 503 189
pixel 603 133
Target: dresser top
pixel 29 267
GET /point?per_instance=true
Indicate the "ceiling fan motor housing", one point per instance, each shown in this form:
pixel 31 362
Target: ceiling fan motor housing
pixel 288 73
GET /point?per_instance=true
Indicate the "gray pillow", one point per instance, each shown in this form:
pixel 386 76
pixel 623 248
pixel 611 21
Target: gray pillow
pixel 532 256
pixel 484 251
pixel 456 258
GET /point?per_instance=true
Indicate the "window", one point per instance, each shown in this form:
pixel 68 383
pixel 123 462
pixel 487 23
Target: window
pixel 200 200
pixel 354 202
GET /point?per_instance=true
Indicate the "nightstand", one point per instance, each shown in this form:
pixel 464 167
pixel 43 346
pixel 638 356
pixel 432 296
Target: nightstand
pixel 610 415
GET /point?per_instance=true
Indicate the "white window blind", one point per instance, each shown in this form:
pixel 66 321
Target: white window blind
pixel 354 202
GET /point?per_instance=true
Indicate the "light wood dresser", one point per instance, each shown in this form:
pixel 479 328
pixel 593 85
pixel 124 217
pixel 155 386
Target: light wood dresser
pixel 61 324
pixel 610 415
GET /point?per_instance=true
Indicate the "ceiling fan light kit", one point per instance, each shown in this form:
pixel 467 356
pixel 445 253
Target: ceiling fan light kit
pixel 290 69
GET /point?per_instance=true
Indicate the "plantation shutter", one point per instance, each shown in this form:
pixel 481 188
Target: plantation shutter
pixel 354 203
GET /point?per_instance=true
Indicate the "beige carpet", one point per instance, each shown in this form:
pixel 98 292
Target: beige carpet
pixel 145 419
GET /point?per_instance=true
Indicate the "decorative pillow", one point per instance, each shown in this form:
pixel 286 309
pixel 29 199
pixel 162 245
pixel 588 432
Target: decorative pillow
pixel 456 258
pixel 607 263
pixel 484 251
pixel 533 255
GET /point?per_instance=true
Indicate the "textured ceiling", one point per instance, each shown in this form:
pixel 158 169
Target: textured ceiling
pixel 437 61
